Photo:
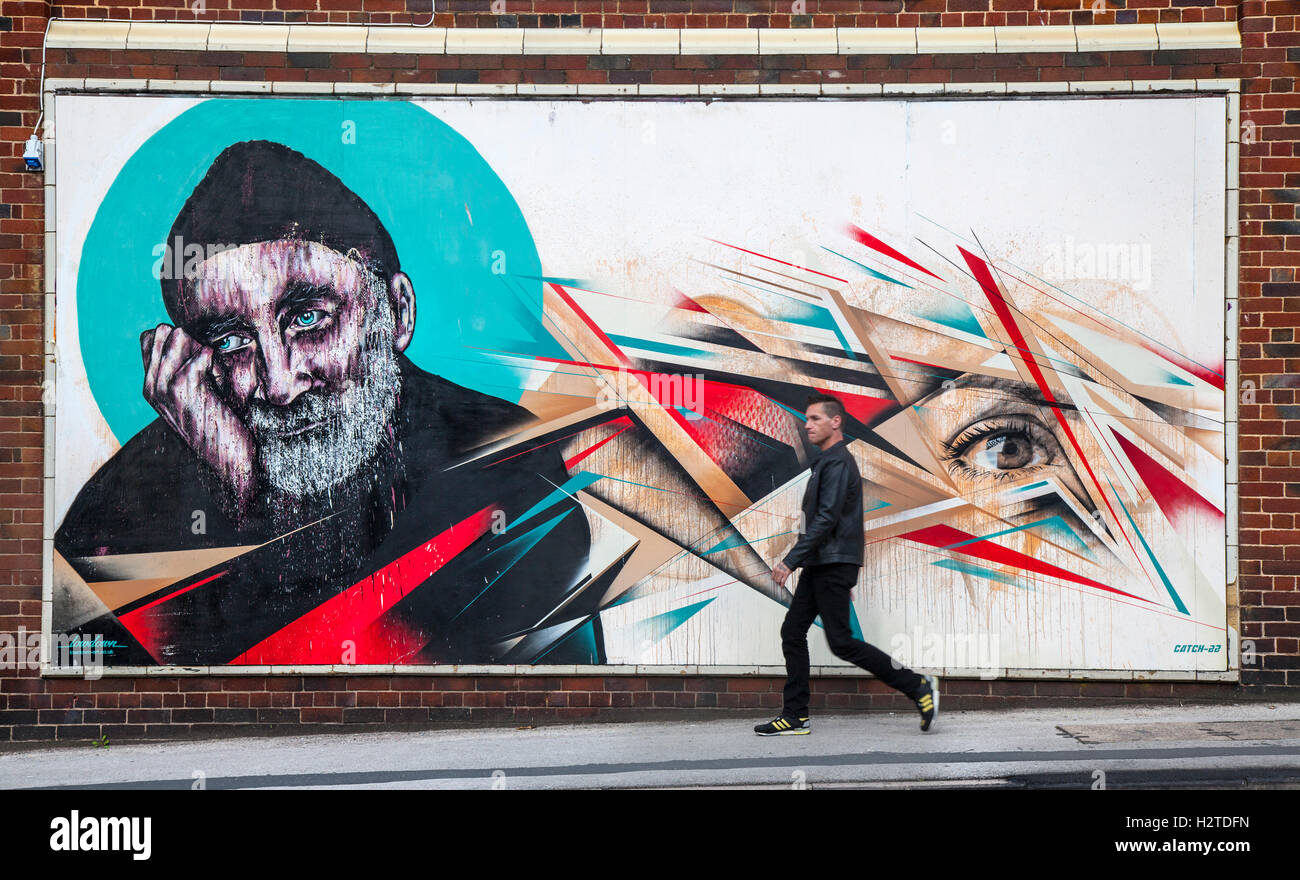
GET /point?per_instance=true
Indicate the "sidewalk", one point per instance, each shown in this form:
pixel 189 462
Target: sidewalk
pixel 1254 745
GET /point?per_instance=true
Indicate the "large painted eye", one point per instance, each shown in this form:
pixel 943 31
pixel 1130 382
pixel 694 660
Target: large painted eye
pixel 231 342
pixel 309 318
pixel 1002 447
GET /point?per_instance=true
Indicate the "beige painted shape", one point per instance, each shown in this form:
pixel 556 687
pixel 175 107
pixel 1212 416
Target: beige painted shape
pixel 903 431
pixel 814 294
pixel 115 594
pixel 169 566
pixel 989 522
pixel 1209 440
pixel 550 405
pixel 1140 427
pixel 535 430
pixel 772 515
pixel 896 528
pixel 816 285
pixel 76 601
pixel 860 324
pixel 652 551
pixel 711 478
pixel 896 481
pixel 1196 398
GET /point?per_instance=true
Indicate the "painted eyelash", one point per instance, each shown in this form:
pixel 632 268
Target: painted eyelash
pixel 965 471
pixel 970 435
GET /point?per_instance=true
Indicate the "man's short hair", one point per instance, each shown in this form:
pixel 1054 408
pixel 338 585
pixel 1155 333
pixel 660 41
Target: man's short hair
pixel 834 408
pixel 263 191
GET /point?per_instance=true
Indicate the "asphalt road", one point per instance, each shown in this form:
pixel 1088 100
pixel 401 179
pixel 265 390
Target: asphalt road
pixel 1253 745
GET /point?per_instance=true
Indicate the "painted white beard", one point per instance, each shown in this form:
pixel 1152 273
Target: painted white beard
pixel 356 421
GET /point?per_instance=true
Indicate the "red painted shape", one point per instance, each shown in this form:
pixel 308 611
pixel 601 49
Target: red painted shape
pixel 356 614
pixel 591 325
pixel 627 424
pixel 1212 374
pixel 147 625
pixel 990 288
pixel 682 301
pixel 944 537
pixel 920 363
pixel 775 260
pixel 1204 373
pixel 747 407
pixel 1176 498
pixel 861 236
pixel 862 407
pixel 171 596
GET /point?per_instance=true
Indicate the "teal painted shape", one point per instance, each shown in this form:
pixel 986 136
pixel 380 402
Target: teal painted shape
pixel 793 412
pixel 451 218
pixel 735 539
pixel 981 571
pixel 516 550
pixel 1173 594
pixel 582 640
pixel 636 592
pixel 947 311
pixel 575 483
pixel 952 313
pixel 1053 524
pixel 865 268
pixel 844 343
pixel 783 307
pixel 660 347
pixel 652 629
pixel 1060 532
pixel 578 283
pixel 854 627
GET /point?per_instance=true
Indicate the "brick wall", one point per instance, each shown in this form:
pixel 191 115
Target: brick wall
pixel 179 707
pixel 1269 442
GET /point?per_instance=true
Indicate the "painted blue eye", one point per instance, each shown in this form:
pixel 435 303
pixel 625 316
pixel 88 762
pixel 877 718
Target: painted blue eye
pixel 233 342
pixel 308 319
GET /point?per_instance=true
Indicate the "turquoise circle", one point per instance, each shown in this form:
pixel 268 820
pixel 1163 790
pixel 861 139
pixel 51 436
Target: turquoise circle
pixel 459 235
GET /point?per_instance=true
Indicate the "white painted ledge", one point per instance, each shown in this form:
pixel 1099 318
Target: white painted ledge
pixel 233 37
pixel 657 90
pixel 613 671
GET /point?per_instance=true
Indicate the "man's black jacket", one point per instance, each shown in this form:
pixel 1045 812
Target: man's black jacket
pixel 832 512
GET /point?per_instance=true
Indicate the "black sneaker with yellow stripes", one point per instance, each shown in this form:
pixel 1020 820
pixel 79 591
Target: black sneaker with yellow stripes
pixel 927 703
pixel 782 726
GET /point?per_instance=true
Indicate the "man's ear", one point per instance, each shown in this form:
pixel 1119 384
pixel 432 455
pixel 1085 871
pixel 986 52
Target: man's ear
pixel 401 295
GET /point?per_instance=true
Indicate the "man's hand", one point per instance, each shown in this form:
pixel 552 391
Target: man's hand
pixel 177 384
pixel 781 574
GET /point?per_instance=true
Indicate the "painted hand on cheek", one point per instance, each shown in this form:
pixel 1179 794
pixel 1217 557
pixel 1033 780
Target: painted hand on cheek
pixel 178 384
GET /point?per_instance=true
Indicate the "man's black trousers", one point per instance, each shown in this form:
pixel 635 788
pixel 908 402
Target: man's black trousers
pixel 824 590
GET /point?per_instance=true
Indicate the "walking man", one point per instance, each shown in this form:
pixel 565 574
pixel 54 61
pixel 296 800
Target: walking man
pixel 830 551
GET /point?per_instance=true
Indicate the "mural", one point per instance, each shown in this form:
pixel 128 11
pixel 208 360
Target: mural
pixel 519 382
